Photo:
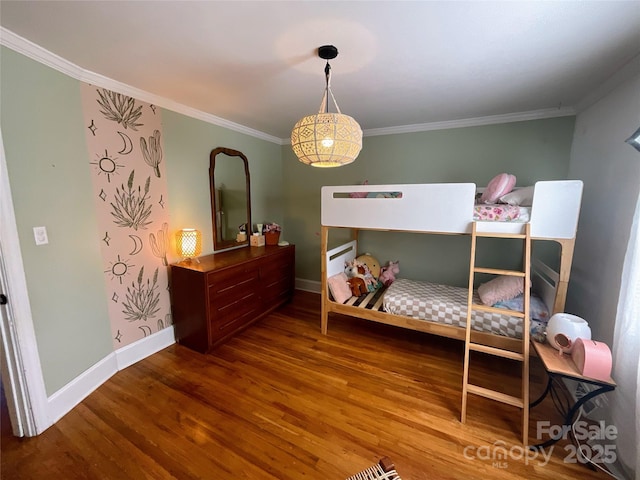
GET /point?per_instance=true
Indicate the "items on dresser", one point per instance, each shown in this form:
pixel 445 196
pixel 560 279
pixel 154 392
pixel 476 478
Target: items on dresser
pixel 227 291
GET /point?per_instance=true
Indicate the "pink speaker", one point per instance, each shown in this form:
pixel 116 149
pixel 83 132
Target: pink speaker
pixel 592 358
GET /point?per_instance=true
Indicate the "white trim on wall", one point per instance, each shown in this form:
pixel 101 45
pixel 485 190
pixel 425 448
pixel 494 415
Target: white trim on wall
pixel 39 54
pixel 312 286
pixel 473 122
pixel 28 392
pixel 136 351
pixel 65 399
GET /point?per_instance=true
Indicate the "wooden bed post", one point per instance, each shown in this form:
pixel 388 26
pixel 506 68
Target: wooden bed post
pixel 324 310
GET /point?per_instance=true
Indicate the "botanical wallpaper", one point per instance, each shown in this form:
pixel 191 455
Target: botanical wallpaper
pixel 124 139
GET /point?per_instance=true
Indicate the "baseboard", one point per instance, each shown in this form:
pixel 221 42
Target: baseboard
pixel 308 285
pixel 136 351
pixel 65 399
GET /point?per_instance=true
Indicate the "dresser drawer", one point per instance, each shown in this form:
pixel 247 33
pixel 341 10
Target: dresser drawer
pixel 280 264
pixel 225 292
pixel 230 286
pixel 276 278
pixel 276 291
pixel 228 318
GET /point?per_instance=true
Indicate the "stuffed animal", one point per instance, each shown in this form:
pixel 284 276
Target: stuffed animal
pixel 357 286
pixel 359 278
pixel 388 273
pixel 372 263
pixel 359 194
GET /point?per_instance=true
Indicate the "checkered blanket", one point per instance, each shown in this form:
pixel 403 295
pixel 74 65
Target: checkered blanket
pixel 445 304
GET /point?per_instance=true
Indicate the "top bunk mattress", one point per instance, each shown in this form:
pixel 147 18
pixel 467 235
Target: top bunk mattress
pixel 448 305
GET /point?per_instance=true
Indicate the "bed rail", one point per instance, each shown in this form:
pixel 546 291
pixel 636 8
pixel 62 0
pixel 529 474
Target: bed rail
pixel 447 208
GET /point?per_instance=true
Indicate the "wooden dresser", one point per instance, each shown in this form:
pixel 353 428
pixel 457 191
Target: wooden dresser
pixel 227 291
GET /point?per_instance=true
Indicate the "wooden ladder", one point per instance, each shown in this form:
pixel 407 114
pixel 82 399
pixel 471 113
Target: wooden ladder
pixel 467 388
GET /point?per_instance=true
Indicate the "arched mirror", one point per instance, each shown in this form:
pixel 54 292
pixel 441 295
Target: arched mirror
pixel 230 197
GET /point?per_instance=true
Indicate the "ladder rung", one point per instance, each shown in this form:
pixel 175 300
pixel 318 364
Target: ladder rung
pixel 521 236
pixel 498 352
pixel 497 271
pixel 497 396
pixel 499 311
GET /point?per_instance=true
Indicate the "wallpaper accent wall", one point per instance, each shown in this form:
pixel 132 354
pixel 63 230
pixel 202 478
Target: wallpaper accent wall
pixel 124 141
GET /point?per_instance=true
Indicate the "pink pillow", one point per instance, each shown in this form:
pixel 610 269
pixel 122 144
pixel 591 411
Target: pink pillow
pixel 498 186
pixel 360 194
pixel 500 289
pixel 339 288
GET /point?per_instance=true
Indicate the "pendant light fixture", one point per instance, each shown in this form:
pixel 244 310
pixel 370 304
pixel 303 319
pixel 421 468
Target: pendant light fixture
pixel 327 139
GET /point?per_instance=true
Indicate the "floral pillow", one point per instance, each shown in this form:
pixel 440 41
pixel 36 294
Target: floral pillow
pixel 498 186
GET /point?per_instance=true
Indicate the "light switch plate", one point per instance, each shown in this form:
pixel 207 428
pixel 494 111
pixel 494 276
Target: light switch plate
pixel 40 234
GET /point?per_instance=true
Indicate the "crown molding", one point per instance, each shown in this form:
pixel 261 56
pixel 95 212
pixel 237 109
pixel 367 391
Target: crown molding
pixel 45 57
pixel 39 54
pixel 473 122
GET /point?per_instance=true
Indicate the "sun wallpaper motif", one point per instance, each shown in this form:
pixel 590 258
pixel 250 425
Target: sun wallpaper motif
pixel 124 139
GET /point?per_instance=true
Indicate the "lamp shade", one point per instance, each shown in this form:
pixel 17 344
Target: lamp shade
pixel 326 139
pixel 189 242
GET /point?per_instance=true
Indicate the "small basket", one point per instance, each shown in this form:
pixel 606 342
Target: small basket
pixel 272 238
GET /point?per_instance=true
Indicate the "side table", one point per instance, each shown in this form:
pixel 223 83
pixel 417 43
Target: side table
pixel 562 366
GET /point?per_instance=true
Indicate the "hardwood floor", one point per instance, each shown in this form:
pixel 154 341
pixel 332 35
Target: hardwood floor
pixel 281 401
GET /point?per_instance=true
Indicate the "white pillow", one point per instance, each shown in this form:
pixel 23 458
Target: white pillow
pixel 522 196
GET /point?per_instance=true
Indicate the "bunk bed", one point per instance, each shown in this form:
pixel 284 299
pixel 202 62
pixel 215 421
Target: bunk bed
pixel 449 311
pixel 446 208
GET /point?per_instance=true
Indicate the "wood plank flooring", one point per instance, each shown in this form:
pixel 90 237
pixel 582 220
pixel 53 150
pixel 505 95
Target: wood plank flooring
pixel 281 401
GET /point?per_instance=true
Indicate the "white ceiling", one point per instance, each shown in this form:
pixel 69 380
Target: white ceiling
pixel 400 63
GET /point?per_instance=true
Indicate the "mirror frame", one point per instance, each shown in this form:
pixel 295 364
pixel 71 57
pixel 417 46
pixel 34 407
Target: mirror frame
pixel 223 245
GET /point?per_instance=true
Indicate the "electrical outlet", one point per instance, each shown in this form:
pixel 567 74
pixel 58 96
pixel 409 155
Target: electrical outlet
pixel 40 234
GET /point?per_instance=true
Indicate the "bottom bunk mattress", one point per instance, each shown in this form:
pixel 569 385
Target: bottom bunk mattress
pixel 448 305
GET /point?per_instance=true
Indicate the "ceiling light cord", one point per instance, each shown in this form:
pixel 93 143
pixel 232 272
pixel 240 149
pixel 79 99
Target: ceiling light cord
pixel 324 105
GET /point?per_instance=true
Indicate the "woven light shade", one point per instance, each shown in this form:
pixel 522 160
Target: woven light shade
pixel 189 242
pixel 327 139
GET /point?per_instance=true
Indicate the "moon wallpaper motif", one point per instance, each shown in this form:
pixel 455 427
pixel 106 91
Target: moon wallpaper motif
pixel 124 141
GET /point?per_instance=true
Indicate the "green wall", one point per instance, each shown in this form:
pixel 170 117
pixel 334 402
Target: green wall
pixel 531 150
pixel 50 178
pixel 188 143
pixel 49 173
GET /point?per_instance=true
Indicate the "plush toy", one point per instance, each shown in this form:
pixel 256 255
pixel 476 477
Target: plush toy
pixel 388 273
pixel 371 263
pixel 359 278
pixel 359 194
pixel 355 279
pixel 357 286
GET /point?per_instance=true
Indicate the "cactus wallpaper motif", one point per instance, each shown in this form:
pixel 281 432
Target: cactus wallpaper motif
pixel 124 139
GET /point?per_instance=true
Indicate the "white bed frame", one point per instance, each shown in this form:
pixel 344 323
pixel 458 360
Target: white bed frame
pixel 554 216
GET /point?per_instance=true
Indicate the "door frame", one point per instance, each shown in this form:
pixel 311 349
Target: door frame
pixel 22 377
